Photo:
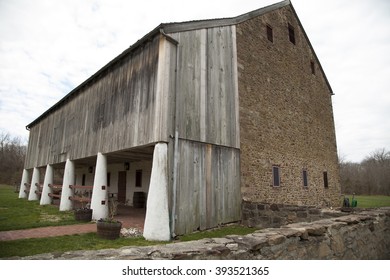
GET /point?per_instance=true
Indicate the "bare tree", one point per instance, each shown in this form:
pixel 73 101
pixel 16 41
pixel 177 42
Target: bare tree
pixel 4 138
pixel 377 167
pixel 371 176
pixel 12 155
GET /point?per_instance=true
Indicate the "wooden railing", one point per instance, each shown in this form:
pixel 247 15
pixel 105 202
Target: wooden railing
pixel 40 188
pixel 81 198
pixel 56 191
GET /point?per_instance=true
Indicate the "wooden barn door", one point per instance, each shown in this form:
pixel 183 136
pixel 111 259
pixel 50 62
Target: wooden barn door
pixel 122 186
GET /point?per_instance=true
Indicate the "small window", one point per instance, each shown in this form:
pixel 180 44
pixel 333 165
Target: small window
pixel 138 178
pixel 304 177
pixel 313 67
pixel 291 33
pixel 276 176
pixel 83 180
pixel 270 34
pixel 326 184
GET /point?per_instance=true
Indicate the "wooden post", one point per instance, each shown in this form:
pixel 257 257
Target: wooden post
pixel 157 212
pixel 25 176
pixel 69 179
pixel 45 198
pixel 99 201
pixel 35 180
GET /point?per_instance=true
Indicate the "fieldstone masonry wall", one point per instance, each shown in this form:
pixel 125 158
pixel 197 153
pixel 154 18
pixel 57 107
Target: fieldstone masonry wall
pixel 263 215
pixel 356 236
pixel 286 116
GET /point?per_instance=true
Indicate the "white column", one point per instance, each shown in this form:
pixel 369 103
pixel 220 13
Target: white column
pixel 99 200
pixel 35 180
pixel 45 198
pixel 25 176
pixel 69 179
pixel 157 213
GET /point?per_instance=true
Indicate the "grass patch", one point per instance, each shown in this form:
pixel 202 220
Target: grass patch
pixel 371 201
pixel 60 244
pixel 90 241
pixel 216 233
pixel 16 213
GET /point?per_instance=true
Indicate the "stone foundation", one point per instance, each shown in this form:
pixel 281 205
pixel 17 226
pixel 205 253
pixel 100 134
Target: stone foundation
pixel 264 215
pixel 363 236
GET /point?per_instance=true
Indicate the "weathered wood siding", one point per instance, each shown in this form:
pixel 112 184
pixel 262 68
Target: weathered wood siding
pixel 127 106
pixel 208 175
pixel 208 191
pixel 207 90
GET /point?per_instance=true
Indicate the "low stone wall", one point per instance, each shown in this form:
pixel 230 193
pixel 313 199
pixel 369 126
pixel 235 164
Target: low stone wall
pixel 264 215
pixel 365 235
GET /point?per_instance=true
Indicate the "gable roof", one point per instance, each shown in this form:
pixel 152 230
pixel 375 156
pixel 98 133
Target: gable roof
pixel 166 28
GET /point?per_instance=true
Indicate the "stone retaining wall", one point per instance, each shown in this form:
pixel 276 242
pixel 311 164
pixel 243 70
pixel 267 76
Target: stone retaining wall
pixel 365 235
pixel 264 215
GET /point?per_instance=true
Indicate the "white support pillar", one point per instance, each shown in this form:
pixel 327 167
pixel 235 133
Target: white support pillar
pixel 69 179
pixel 35 180
pixel 99 201
pixel 25 176
pixel 45 198
pixel 157 213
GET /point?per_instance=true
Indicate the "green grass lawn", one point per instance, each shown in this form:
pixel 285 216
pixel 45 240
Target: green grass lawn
pixel 60 244
pixel 18 213
pixel 90 241
pixel 220 232
pixel 371 201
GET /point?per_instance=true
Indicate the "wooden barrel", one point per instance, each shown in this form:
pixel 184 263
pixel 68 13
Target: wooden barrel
pixel 139 200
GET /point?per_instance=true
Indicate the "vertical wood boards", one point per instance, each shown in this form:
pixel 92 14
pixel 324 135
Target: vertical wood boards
pixel 208 186
pixel 208 175
pixel 207 88
pixel 125 107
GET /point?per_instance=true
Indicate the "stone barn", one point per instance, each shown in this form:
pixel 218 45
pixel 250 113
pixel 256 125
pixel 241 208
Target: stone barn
pixel 193 120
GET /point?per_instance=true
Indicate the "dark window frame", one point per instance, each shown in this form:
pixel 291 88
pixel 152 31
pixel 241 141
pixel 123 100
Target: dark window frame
pixel 305 178
pixel 291 34
pixel 313 67
pixel 270 33
pixel 276 182
pixel 326 180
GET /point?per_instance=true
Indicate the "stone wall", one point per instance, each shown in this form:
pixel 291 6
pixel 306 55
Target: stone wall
pixel 286 116
pixel 356 236
pixel 264 215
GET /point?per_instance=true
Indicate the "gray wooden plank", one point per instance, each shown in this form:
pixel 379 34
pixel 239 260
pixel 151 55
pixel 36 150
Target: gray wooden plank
pixel 117 111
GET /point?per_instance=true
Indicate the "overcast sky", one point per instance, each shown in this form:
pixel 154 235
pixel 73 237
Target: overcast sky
pixel 48 47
